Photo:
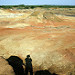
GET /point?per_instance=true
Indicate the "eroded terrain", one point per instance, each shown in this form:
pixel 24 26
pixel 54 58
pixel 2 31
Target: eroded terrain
pixel 48 35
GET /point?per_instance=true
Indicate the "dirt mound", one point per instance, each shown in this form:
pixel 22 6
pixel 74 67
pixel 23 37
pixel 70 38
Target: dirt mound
pixel 51 16
pixel 35 13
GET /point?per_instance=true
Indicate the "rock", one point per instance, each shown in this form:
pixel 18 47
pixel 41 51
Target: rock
pixel 17 64
pixel 5 68
pixel 44 72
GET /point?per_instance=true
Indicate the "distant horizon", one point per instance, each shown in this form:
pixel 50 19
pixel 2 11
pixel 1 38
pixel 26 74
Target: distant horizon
pixel 37 5
pixel 38 2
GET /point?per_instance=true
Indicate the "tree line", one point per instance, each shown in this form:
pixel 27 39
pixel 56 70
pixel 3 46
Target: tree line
pixel 34 6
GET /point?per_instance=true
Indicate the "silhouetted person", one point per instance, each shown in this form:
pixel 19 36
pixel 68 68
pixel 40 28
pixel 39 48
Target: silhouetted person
pixel 28 65
pixel 17 65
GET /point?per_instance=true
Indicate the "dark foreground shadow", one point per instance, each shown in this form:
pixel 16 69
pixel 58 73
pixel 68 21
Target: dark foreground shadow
pixel 28 65
pixel 44 72
pixel 16 63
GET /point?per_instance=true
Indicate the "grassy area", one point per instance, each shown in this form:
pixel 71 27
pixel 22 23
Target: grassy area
pixel 34 6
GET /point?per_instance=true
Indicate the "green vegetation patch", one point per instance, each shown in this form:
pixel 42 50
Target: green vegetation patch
pixel 34 6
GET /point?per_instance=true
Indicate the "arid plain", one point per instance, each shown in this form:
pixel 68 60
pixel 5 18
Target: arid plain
pixel 48 35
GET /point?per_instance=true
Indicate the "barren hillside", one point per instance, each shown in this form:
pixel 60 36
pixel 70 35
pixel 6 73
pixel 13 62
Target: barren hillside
pixel 47 35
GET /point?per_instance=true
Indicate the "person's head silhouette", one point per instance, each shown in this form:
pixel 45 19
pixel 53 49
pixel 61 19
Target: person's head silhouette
pixel 28 56
pixel 28 59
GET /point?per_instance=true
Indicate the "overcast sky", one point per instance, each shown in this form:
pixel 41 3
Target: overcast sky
pixel 37 2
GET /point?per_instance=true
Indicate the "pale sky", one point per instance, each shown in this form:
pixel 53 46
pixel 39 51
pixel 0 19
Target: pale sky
pixel 37 2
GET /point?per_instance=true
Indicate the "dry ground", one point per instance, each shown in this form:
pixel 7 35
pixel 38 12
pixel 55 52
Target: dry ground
pixel 48 35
